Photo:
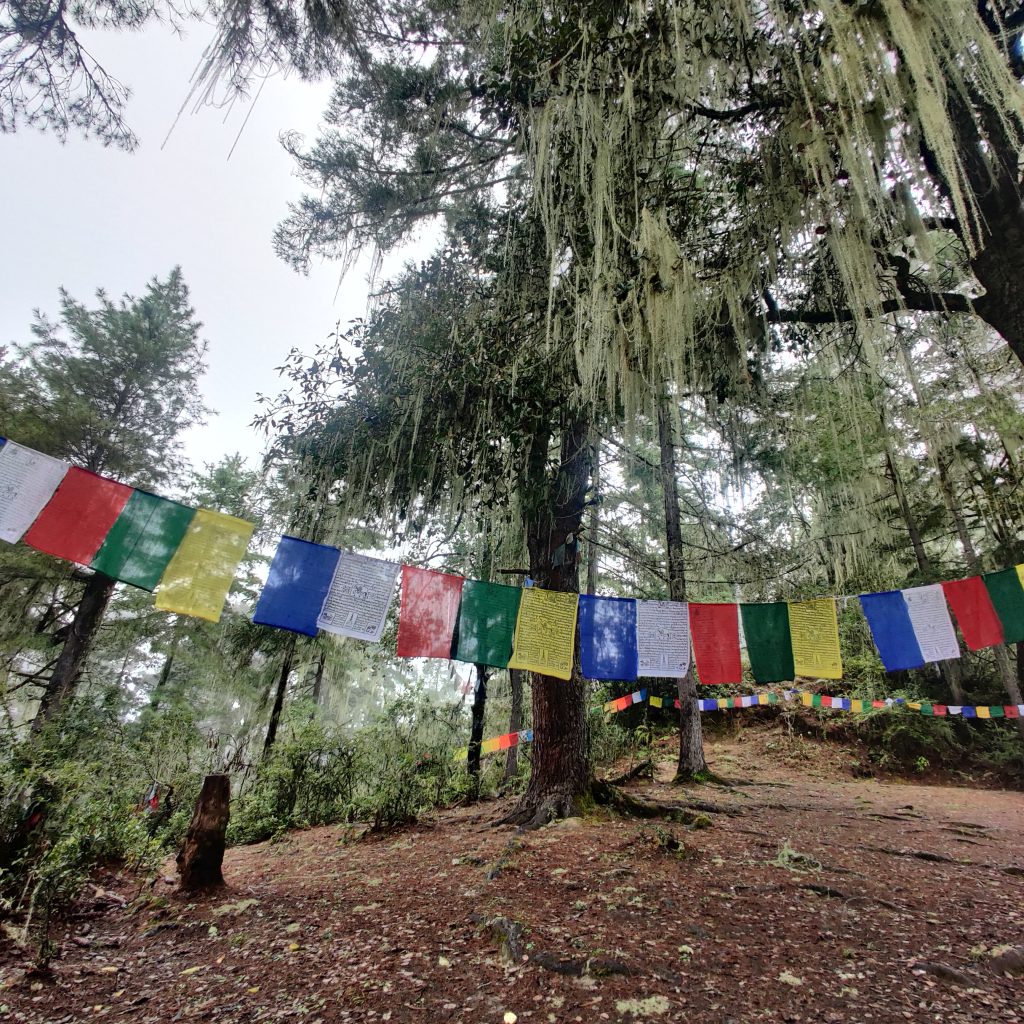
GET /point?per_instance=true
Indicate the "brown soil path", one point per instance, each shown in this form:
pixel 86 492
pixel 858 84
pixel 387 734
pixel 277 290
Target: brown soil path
pixel 815 901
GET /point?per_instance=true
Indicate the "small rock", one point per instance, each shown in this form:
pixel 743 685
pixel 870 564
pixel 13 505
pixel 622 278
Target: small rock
pixel 942 972
pixel 1010 962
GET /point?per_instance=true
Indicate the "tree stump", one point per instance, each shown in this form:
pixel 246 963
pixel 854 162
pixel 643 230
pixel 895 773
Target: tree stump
pixel 199 861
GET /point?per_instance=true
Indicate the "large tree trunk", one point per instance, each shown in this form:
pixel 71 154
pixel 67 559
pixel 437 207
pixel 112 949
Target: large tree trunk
pixel 68 670
pixel 515 721
pixel 318 679
pixel 560 780
pixel 202 854
pixel 282 686
pixel 476 730
pixel 594 519
pixel 692 764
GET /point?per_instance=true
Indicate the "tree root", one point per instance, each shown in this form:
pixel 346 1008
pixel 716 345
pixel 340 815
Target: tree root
pixel 610 796
pixel 529 816
pixel 503 860
pixel 643 768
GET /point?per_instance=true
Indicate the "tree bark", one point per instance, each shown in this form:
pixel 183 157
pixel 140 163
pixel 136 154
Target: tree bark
pixel 202 854
pixel 282 686
pixel 68 670
pixel 318 678
pixel 560 780
pixel 476 731
pixel 692 764
pixel 165 670
pixel 593 520
pixel 515 721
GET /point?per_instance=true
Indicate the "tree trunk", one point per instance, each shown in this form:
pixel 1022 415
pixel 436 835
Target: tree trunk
pixel 282 685
pixel 476 732
pixel 560 780
pixel 593 520
pixel 692 764
pixel 165 670
pixel 202 854
pixel 68 670
pixel 318 678
pixel 515 721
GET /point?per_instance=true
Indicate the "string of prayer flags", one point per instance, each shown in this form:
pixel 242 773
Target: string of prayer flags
pixel 933 628
pixel 487 622
pixel 77 519
pixel 27 482
pixel 200 573
pixel 891 629
pixel 545 635
pixel 428 613
pixel 714 630
pixel 359 597
pixel 766 628
pixel 608 637
pixel 974 613
pixel 297 584
pixel 1007 597
pixel 621 703
pixel 663 639
pixel 143 540
pixel 510 739
pixel 814 631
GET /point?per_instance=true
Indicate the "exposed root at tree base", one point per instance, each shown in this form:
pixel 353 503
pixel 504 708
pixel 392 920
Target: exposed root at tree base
pixel 530 814
pixel 611 796
pixel 645 768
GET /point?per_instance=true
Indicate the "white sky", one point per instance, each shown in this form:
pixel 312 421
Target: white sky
pixel 82 216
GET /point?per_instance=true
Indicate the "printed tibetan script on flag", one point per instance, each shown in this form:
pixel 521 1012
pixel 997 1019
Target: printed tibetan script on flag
pixel 27 482
pixel 608 646
pixel 359 597
pixel 814 630
pixel 430 607
pixel 545 633
pixel 933 628
pixel 663 638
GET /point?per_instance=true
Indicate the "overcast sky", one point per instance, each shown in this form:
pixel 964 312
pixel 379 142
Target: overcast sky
pixel 82 216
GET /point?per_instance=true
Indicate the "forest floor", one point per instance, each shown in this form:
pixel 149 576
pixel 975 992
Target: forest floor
pixel 812 896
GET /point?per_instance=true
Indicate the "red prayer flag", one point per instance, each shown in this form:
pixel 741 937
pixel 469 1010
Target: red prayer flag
pixel 826 702
pixel 878 703
pixel 1011 711
pixel 430 607
pixel 974 612
pixel 76 520
pixel 939 709
pixel 715 632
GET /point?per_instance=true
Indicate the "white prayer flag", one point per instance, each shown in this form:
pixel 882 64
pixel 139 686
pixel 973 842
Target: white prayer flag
pixel 359 597
pixel 663 638
pixel 27 481
pixel 932 625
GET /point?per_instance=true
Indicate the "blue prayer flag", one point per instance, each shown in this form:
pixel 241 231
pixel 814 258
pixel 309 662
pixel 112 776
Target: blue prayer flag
pixel 968 711
pixel 892 630
pixel 300 576
pixel 608 637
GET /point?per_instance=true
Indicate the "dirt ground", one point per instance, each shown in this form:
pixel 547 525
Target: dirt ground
pixel 811 896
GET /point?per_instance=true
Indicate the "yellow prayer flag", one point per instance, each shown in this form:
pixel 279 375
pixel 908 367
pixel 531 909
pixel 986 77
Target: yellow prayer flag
pixel 814 631
pixel 655 702
pixel 982 712
pixel 914 705
pixel 489 746
pixel 723 702
pixel 461 754
pixel 199 575
pixel 807 699
pixel 1020 573
pixel 856 705
pixel 545 635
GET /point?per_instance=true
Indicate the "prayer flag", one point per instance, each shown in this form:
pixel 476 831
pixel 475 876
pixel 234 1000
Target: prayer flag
pixel 1007 596
pixel 663 638
pixel 766 627
pixel 199 575
pixel 933 628
pixel 655 702
pixel 545 635
pixel 814 630
pixel 359 597
pixel 939 709
pixel 714 629
pixel 892 630
pixel 974 613
pixel 608 643
pixel 79 516
pixel 1010 711
pixel 487 621
pixel 1020 573
pixel 27 481
pixel 429 609
pixel 143 540
pixel 982 712
pixel 300 576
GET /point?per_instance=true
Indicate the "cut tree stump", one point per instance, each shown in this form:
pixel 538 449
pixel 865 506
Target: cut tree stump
pixel 201 856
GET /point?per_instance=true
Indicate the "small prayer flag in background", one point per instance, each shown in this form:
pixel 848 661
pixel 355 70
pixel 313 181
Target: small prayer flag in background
pixel 608 647
pixel 299 578
pixel 769 647
pixel 359 597
pixel 545 636
pixel 199 575
pixel 714 630
pixel 429 609
pixel 143 540
pixel 78 517
pixel 974 613
pixel 663 638
pixel 487 622
pixel 814 630
pixel 27 481
pixel 1007 597
pixel 892 630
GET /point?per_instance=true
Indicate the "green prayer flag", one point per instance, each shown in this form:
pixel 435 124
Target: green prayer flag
pixel 996 711
pixel 487 620
pixel 816 701
pixel 143 539
pixel 926 709
pixel 773 698
pixel 769 646
pixel 1008 600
